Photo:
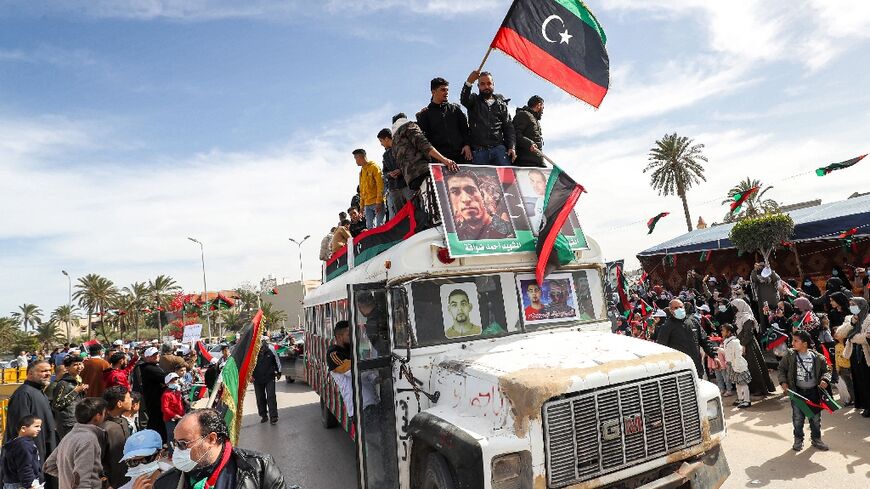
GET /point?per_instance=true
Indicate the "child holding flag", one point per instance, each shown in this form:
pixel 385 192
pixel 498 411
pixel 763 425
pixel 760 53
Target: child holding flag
pixel 803 374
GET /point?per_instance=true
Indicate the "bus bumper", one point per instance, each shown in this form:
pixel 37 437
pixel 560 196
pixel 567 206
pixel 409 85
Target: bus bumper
pixel 708 470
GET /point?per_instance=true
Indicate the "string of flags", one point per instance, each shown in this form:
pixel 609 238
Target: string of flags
pixel 651 224
pixel 839 166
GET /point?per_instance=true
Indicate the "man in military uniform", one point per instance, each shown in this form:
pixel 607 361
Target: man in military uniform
pixel 473 221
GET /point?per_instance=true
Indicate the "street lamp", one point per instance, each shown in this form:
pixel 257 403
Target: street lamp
pixel 68 305
pixel 204 286
pixel 301 272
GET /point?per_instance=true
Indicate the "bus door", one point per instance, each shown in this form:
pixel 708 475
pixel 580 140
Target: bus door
pixel 374 411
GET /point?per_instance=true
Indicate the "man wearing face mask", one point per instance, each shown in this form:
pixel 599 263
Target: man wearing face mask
pixel 204 458
pixel 676 332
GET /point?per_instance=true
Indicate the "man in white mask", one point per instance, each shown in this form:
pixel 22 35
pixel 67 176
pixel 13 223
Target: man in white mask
pixel 145 459
pixel 204 458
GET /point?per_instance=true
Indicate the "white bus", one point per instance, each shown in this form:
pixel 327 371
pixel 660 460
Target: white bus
pixel 463 385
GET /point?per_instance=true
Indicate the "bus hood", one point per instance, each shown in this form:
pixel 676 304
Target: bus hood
pixel 523 372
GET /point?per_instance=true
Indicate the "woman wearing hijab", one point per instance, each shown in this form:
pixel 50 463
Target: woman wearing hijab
pixel 858 350
pixel 840 274
pixel 761 384
pixel 838 309
pixel 810 288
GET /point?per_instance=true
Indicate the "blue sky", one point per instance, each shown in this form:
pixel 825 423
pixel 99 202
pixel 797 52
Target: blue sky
pixel 126 126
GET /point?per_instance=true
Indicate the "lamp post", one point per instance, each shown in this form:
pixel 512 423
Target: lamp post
pixel 204 286
pixel 68 305
pixel 301 270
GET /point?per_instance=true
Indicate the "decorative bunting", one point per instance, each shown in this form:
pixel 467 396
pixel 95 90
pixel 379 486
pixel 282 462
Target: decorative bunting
pixel 838 166
pixel 651 224
pixel 705 255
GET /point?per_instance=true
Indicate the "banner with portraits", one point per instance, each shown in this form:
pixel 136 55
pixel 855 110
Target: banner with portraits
pixel 493 210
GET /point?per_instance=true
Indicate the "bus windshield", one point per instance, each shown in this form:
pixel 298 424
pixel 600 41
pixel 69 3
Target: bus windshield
pixel 485 306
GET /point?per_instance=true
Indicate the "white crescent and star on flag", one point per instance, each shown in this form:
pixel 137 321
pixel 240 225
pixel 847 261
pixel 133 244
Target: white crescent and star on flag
pixel 565 37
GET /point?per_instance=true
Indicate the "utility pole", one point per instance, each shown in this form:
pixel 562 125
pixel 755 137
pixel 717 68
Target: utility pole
pixel 301 270
pixel 204 285
pixel 68 305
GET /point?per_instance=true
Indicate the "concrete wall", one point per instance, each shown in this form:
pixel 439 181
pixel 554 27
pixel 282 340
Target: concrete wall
pixel 289 300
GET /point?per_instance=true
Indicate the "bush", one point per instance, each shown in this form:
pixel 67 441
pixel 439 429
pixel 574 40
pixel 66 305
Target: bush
pixel 762 234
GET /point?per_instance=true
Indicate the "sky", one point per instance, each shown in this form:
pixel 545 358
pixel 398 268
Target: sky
pixel 128 125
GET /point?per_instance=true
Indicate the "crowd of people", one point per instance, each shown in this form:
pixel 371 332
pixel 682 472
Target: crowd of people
pixel 485 134
pixel 733 329
pixel 124 417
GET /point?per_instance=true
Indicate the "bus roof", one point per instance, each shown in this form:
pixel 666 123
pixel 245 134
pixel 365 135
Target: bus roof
pixel 417 256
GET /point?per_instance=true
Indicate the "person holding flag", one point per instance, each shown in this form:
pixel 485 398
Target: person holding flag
pixel 803 375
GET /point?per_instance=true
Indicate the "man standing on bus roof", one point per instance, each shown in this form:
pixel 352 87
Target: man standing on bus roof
pixel 460 308
pixel 338 361
pixel 473 221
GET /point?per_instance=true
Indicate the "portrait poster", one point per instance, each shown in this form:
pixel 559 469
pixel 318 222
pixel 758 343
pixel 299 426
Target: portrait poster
pixel 460 310
pixel 491 210
pixel 553 301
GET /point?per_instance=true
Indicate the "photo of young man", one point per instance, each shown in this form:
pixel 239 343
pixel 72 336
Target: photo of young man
pixel 461 311
pixel 472 218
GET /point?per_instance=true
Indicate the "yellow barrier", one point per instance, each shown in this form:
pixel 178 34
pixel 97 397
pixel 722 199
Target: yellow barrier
pixel 4 405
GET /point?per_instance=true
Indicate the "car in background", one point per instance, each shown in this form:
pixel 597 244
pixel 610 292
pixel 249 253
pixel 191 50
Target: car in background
pixel 8 363
pixel 291 351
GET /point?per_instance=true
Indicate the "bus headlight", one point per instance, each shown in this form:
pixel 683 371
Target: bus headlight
pixel 714 415
pixel 512 471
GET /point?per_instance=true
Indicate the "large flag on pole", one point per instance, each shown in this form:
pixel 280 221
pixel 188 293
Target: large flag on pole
pixel 559 199
pixel 236 375
pixel 562 42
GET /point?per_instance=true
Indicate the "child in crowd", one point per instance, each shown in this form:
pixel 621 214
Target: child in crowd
pixel 738 367
pixel 21 464
pixel 719 366
pixel 171 404
pixel 844 364
pixel 132 416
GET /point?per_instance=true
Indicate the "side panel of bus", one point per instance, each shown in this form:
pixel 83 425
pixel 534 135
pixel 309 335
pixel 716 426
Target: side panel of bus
pixel 319 321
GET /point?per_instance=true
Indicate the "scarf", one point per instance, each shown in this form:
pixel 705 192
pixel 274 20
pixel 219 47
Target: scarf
pixel 743 314
pixel 862 327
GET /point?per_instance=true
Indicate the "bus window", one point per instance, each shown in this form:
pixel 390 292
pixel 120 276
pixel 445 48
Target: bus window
pixel 457 309
pixel 401 323
pixel 371 322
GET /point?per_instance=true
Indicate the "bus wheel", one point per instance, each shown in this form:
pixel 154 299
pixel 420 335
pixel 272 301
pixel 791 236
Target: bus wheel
pixel 438 474
pixel 326 418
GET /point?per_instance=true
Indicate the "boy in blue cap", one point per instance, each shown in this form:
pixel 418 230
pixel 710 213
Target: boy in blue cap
pixel 143 455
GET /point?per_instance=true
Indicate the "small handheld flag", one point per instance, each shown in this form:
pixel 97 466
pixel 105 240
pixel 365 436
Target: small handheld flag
pixel 838 166
pixel 651 224
pixel 562 42
pixel 621 287
pixel 741 197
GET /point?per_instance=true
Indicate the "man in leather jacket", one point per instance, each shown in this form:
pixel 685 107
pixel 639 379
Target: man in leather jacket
pixel 492 135
pixel 203 438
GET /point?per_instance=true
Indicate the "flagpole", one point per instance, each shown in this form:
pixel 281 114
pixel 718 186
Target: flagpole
pixel 485 57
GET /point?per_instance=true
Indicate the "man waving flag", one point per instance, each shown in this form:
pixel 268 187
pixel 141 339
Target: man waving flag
pixel 562 42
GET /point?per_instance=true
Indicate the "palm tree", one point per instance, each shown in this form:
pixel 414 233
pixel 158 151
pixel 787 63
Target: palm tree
pixel 248 298
pixel 28 314
pixel 162 289
pixel 754 206
pixel 8 329
pixel 48 335
pixel 272 318
pixel 65 314
pixel 136 299
pixel 675 164
pixel 95 293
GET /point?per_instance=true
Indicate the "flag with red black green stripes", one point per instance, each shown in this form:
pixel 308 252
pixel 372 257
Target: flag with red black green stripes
pixel 651 224
pixel 552 247
pixel 740 197
pixel 562 42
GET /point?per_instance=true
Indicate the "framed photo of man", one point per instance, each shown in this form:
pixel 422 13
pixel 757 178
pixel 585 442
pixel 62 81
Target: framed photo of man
pixel 460 309
pixel 553 301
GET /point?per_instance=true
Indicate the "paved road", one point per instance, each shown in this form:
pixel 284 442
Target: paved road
pixel 758 446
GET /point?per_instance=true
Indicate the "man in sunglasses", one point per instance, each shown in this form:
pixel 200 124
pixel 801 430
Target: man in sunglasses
pixel 204 457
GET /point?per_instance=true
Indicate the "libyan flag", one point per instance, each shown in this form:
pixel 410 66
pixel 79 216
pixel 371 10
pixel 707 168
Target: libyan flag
pixel 838 166
pixel 651 224
pixel 621 289
pixel 562 42
pixel 373 242
pixel 559 199
pixel 236 375
pixel 203 357
pixel 741 197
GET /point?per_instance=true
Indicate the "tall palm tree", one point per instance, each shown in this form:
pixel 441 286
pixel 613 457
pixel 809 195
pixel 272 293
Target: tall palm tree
pixel 272 318
pixel 8 329
pixel 137 295
pixel 754 206
pixel 28 314
pixel 48 335
pixel 248 298
pixel 95 293
pixel 162 289
pixel 676 168
pixel 65 314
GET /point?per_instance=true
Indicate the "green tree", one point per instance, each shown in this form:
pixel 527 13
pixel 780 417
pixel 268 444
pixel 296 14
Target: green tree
pixel 136 299
pixel 48 335
pixel 162 289
pixel 247 298
pixel 676 167
pixel 95 293
pixel 66 314
pixel 762 234
pixel 272 318
pixel 8 330
pixel 28 314
pixel 754 206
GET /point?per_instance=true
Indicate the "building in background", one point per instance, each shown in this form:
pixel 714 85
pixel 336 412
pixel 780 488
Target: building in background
pixel 289 299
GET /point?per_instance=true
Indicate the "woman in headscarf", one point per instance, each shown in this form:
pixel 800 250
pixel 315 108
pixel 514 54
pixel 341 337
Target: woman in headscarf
pixel 810 288
pixel 840 274
pixel 761 384
pixel 781 317
pixel 838 309
pixel 858 350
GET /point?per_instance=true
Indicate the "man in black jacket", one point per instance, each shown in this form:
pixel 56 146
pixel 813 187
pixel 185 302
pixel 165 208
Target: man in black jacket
pixel 152 390
pixel 444 124
pixel 396 191
pixel 527 124
pixel 678 333
pixel 204 453
pixel 493 140
pixel 267 369
pixel 28 399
